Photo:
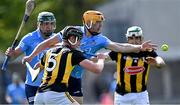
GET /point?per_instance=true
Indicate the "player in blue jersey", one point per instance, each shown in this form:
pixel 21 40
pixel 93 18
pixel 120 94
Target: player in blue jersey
pixel 46 24
pixel 92 41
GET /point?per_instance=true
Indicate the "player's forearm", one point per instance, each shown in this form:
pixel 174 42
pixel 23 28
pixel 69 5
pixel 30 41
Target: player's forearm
pixel 38 49
pixel 44 45
pixel 126 48
pixel 15 54
pixel 100 65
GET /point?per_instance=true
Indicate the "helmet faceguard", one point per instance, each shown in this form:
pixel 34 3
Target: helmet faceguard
pixel 92 17
pixel 134 31
pixel 72 31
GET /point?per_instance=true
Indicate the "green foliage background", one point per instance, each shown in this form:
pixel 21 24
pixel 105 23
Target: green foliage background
pixel 67 12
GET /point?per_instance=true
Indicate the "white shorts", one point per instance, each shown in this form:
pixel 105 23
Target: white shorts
pixel 51 97
pixel 141 98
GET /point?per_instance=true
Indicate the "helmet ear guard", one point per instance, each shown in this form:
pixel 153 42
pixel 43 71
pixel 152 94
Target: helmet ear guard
pixel 134 31
pixel 91 17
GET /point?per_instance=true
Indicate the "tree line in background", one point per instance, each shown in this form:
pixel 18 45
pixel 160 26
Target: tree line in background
pixel 67 12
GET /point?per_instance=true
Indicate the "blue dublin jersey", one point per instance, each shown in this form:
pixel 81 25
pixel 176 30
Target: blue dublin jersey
pixel 89 45
pixel 27 45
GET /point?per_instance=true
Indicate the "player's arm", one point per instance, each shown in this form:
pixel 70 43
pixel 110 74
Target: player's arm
pixel 19 49
pixel 42 46
pixel 126 48
pixel 7 96
pixel 108 58
pixel 39 66
pixel 92 66
pixel 159 61
pixel 106 54
pixel 13 53
pixel 156 61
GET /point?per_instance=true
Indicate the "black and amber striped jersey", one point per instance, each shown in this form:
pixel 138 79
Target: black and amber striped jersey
pixel 58 64
pixel 132 71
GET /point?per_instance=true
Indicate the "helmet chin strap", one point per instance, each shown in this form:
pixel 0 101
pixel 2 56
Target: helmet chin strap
pixel 92 33
pixel 90 26
pixel 73 43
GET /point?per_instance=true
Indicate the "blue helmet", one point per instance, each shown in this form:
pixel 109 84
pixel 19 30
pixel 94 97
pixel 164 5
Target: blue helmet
pixel 46 17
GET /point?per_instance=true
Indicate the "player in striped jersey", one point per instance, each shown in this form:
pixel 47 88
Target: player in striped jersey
pixel 93 40
pixel 133 70
pixel 58 64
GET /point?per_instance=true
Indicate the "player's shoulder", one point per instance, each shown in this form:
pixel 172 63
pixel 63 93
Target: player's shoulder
pixel 101 37
pixel 30 35
pixel 78 54
pixel 55 49
pixel 11 87
pixel 76 51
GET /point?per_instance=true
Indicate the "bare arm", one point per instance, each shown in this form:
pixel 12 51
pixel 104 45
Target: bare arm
pixel 157 61
pixel 8 99
pixel 123 47
pixel 94 67
pixel 126 48
pixel 106 54
pixel 42 46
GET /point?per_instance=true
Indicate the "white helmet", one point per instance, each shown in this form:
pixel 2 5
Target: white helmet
pixel 134 31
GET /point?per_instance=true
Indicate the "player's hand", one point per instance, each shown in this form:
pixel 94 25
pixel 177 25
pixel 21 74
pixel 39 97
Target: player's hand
pixel 9 52
pixel 147 45
pixel 94 59
pixel 150 60
pixel 26 59
pixel 101 56
pixel 36 66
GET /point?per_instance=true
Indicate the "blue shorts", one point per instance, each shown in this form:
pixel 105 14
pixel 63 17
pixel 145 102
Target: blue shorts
pixel 75 87
pixel 30 93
